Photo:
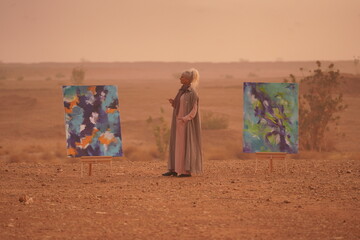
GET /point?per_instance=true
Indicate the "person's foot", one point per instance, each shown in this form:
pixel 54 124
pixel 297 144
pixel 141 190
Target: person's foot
pixel 168 174
pixel 184 175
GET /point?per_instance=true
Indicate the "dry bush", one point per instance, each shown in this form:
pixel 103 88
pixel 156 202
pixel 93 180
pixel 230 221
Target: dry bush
pixel 320 107
pixel 161 132
pixel 60 151
pixel 313 155
pixel 139 153
pixel 59 75
pixel 47 156
pixel 33 149
pixel 21 157
pixel 16 158
pixel 252 75
pixel 129 151
pixel 78 75
pixel 214 121
pixel 227 150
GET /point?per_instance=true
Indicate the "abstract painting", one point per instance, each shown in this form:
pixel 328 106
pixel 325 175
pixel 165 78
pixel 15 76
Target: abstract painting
pixel 270 117
pixel 92 121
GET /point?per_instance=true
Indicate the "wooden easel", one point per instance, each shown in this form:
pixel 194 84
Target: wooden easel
pixel 271 156
pixel 93 160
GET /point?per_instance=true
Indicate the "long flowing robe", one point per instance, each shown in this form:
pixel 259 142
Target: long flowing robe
pixel 189 148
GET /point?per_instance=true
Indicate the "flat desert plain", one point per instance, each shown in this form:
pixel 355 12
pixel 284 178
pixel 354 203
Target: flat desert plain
pixel 42 195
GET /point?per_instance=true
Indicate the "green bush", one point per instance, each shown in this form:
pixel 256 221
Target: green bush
pixel 210 120
pixel 320 107
pixel 161 132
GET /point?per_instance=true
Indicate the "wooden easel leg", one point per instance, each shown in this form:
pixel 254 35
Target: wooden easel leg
pixel 256 164
pixel 271 164
pixel 90 168
pixel 110 167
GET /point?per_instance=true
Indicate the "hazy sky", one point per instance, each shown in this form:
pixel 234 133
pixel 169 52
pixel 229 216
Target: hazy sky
pixel 178 30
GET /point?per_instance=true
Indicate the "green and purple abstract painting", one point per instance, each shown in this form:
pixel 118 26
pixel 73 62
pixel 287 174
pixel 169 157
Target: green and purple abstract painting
pixel 92 121
pixel 270 117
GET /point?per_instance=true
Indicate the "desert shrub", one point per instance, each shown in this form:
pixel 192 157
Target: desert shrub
pixel 47 156
pixel 161 132
pixel 33 148
pixel 213 121
pixel 59 75
pixel 78 75
pixel 356 64
pixel 16 158
pixel 137 153
pixel 60 151
pixel 319 107
pixel 252 75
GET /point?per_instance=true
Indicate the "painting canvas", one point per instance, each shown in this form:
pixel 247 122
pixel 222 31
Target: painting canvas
pixel 92 121
pixel 270 117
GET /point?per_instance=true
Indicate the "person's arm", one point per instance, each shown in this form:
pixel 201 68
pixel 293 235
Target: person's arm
pixel 192 113
pixel 171 101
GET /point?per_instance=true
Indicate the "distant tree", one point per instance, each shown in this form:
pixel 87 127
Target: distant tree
pixel 356 64
pixel 78 75
pixel 319 107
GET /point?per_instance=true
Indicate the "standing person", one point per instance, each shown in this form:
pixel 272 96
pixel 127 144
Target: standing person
pixel 185 153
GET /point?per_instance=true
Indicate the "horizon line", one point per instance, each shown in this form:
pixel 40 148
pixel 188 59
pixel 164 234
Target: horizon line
pixel 193 62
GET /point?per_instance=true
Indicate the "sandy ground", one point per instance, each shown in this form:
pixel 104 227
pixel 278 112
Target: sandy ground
pixel 315 199
pixel 318 198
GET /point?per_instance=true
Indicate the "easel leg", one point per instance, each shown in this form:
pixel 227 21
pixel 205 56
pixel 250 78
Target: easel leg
pixel 256 164
pixel 90 168
pixel 110 167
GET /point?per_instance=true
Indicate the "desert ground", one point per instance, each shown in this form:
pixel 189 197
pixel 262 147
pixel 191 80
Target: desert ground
pixel 43 196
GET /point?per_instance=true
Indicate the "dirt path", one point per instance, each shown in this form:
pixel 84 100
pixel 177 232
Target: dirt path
pixel 316 199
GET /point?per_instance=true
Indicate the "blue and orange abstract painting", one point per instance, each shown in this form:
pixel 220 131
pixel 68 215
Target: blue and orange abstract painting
pixel 270 117
pixel 92 121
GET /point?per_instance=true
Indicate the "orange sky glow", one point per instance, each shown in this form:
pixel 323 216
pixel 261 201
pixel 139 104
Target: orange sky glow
pixel 178 30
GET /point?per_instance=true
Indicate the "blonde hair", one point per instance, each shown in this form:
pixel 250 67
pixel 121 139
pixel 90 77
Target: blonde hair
pixel 193 75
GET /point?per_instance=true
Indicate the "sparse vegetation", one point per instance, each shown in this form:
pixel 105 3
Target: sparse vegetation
pixel 78 75
pixel 213 121
pixel 319 107
pixel 140 153
pixel 161 133
pixel 252 75
pixel 356 64
pixel 59 75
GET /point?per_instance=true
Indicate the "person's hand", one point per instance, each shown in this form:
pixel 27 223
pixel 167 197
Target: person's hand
pixel 182 119
pixel 171 101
